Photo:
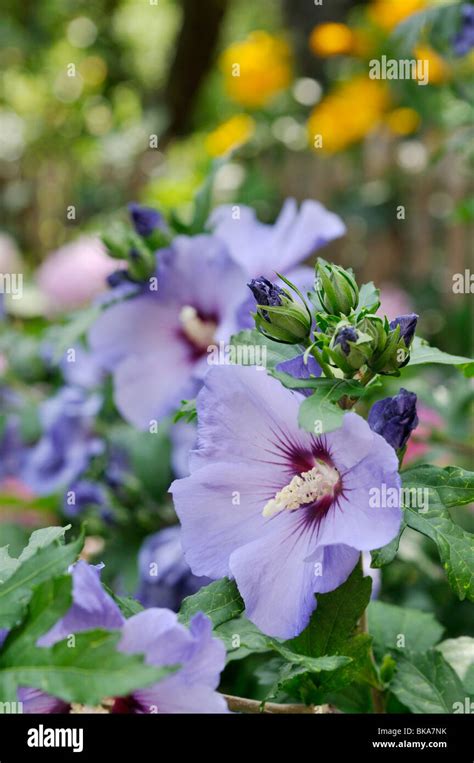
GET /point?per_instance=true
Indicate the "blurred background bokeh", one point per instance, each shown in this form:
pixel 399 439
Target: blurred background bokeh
pixel 132 99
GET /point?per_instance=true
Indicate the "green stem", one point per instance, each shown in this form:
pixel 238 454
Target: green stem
pixel 378 697
pixel 244 705
pixel 317 355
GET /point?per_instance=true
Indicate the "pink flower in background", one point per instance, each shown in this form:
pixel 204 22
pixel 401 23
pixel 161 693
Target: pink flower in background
pixel 75 273
pixel 10 260
pixel 394 301
pixel 429 419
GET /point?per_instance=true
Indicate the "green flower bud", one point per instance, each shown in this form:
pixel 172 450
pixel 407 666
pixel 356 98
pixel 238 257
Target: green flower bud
pixel 373 325
pixel 392 356
pixel 350 348
pixel 336 289
pixel 278 316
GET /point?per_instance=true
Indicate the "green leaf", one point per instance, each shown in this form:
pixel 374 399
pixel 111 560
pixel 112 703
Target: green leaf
pixel 187 411
pixel 318 414
pixel 369 298
pixel 387 622
pixel 127 604
pixel 333 622
pixel 426 683
pixel 445 488
pixel 241 638
pixel 330 389
pixel 220 601
pixel 66 336
pixel 459 653
pixel 331 634
pixel 421 353
pixel 8 564
pixel 45 562
pixel 84 670
pixel 386 554
pixel 38 539
pixel 311 664
pixel 203 198
pixel 322 406
pixel 252 348
pixel 438 24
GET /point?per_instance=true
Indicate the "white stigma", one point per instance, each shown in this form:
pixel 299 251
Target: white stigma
pixel 199 332
pixel 307 487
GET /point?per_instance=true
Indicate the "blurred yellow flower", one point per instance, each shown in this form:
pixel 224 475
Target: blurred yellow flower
pixel 230 134
pixel 437 67
pixel 403 121
pixel 256 69
pixel 348 114
pixel 331 40
pixel 388 13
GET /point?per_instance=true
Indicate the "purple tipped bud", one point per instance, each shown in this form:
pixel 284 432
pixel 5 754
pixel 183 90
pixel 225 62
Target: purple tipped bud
pixel 345 335
pixel 145 219
pixel 464 40
pixel 266 292
pixel 407 325
pixel 395 418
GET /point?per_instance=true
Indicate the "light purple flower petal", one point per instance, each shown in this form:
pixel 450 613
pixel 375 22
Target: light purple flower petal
pixel 163 641
pixel 220 507
pixel 92 607
pixel 274 580
pixel 242 418
pixel 37 701
pixel 263 249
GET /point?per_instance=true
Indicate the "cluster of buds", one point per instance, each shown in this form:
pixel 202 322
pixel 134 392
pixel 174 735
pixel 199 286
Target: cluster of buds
pixel 348 335
pixel 136 246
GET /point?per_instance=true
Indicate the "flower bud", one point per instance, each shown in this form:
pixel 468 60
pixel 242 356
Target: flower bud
pixel 395 418
pixel 145 219
pixel 278 316
pixel 391 357
pixel 350 348
pixel 407 325
pixel 373 325
pixel 336 289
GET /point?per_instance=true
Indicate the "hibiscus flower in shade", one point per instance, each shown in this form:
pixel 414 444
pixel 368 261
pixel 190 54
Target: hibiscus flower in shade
pixel 154 633
pixel 67 443
pixel 165 577
pixel 155 344
pixel 282 511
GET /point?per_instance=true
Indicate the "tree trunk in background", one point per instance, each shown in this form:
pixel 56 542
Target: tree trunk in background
pixel 195 49
pixel 302 16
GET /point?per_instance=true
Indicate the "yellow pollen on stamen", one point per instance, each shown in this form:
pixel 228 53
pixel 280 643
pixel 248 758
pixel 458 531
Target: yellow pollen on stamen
pixel 307 487
pixel 200 332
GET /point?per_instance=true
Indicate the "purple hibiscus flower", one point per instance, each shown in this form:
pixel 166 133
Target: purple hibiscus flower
pixel 283 512
pixel 262 249
pixel 156 343
pixel 165 577
pixel 83 494
pixel 154 633
pixel 67 443
pixel 155 338
pixel 395 418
